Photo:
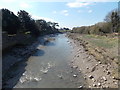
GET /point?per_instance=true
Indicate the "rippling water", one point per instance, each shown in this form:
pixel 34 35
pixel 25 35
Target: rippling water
pixel 50 67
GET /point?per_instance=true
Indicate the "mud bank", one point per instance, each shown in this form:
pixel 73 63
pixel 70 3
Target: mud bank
pixel 97 74
pixel 16 58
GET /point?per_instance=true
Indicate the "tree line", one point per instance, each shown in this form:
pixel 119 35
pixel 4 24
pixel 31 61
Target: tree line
pixel 111 24
pixel 22 23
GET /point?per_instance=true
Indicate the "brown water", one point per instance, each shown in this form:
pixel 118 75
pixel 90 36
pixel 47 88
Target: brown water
pixel 50 67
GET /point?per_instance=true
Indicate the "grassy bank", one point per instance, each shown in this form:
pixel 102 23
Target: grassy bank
pixel 103 48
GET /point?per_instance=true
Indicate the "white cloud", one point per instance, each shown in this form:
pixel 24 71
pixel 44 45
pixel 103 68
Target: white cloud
pixel 44 18
pixel 78 4
pixel 65 12
pixel 90 11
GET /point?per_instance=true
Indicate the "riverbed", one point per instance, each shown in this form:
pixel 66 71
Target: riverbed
pixel 49 66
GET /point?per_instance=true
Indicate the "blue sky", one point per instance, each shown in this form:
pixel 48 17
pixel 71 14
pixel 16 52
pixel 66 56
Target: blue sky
pixel 67 14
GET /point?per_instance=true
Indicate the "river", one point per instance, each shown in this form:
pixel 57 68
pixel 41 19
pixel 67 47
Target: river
pixel 50 67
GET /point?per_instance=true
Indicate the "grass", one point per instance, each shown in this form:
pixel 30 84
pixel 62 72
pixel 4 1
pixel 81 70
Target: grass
pixel 102 41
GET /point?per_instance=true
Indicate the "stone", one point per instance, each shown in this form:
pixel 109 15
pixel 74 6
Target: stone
pixel 108 72
pixel 113 77
pixel 77 55
pixel 87 67
pixel 80 87
pixel 60 76
pixel 74 75
pixel 94 85
pixel 116 83
pixel 104 78
pixel 99 62
pixel 36 79
pixel 107 86
pixel 93 69
pixel 75 67
pixel 90 76
pixel 99 84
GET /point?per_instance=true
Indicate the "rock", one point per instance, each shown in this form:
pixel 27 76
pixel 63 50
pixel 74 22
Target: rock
pixel 94 85
pixel 99 84
pixel 93 69
pixel 36 79
pixel 116 83
pixel 75 67
pixel 99 62
pixel 113 77
pixel 77 55
pixel 96 64
pixel 85 78
pixel 74 75
pixel 87 67
pixel 107 86
pixel 91 77
pixel 71 71
pixel 89 86
pixel 80 87
pixel 60 76
pixel 108 72
pixel 104 78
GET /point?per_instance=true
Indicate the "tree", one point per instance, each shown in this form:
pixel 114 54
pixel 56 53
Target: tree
pixel 25 20
pixel 10 22
pixel 113 18
pixel 27 23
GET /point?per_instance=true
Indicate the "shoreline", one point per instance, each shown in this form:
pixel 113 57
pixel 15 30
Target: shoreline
pixel 17 57
pixel 97 75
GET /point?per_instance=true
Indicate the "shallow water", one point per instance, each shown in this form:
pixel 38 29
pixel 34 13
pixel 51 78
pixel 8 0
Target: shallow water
pixel 50 67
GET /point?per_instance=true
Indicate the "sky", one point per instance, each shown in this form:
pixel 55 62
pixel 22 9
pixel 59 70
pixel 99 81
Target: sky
pixel 68 13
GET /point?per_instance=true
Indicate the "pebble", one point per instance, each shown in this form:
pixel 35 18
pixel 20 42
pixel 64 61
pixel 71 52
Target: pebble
pixel 108 72
pixel 91 77
pixel 93 69
pixel 75 67
pixel 74 75
pixel 113 77
pixel 104 78
pixel 36 79
pixel 99 62
pixel 85 78
pixel 96 64
pixel 60 77
pixel 87 67
pixel 115 83
pixel 107 86
pixel 99 84
pixel 80 87
pixel 77 55
pixel 94 85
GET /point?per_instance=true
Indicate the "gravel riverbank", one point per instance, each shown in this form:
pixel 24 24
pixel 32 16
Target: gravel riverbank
pixel 98 75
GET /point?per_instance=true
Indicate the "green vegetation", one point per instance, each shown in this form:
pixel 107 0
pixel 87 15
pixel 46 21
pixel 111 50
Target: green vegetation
pixel 102 41
pixel 23 23
pixel 110 25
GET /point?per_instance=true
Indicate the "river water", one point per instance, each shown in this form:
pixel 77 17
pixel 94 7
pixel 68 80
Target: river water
pixel 50 66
